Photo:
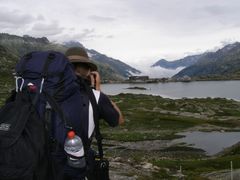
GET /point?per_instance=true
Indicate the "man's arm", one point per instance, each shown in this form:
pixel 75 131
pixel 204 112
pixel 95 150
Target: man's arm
pixel 96 82
pixel 121 119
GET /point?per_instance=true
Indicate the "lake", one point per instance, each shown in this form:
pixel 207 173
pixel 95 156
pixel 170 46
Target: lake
pixel 175 90
pixel 211 142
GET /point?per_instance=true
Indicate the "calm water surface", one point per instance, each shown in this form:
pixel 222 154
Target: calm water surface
pixel 211 142
pixel 175 90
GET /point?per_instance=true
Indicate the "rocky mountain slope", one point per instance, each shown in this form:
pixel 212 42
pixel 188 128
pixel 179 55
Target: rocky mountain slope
pixel 184 62
pixel 16 46
pixel 222 64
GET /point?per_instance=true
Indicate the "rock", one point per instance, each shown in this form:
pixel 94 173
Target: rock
pixel 117 159
pixel 138 88
pixel 147 165
pixel 156 168
pixel 116 176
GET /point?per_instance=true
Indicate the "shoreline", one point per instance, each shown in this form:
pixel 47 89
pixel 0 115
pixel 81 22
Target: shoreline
pixel 175 98
pixel 159 81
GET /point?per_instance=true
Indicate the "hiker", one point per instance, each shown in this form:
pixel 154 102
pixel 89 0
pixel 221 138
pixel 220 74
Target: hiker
pixel 35 121
pixel 89 81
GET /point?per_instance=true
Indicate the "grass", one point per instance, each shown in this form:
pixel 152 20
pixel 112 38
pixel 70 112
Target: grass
pixel 195 167
pixel 144 119
pixel 228 123
pixel 149 126
pixel 196 105
pixel 138 135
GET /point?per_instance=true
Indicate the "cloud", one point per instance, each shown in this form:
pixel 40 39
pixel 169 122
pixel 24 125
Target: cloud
pixel 110 37
pixel 227 41
pixel 130 29
pixel 83 36
pixel 46 29
pixel 88 34
pixel 40 17
pixel 159 72
pixel 101 18
pixel 216 10
pixel 190 18
pixel 14 19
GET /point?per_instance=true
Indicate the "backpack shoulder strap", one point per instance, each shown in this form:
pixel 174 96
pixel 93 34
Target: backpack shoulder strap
pixel 48 61
pixel 58 110
pixel 96 114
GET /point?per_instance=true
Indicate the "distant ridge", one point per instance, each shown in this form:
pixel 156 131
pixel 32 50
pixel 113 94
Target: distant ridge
pixel 16 46
pixel 184 62
pixel 222 64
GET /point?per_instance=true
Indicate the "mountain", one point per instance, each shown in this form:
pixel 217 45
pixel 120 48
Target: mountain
pixel 16 46
pixel 184 62
pixel 73 44
pixel 118 66
pixel 222 64
pixel 100 59
pixel 19 46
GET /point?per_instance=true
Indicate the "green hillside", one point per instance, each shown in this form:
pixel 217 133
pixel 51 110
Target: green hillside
pixel 12 47
pixel 7 61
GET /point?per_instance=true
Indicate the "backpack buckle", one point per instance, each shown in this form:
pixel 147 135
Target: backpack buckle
pixel 41 86
pixel 22 83
pixel 68 127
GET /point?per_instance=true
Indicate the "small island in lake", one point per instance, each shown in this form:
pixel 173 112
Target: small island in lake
pixel 137 88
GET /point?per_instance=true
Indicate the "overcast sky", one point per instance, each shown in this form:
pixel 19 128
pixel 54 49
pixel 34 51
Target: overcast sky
pixel 138 32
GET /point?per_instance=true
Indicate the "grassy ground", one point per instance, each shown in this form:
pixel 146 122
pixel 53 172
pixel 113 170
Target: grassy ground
pixel 195 167
pixel 150 117
pixel 153 119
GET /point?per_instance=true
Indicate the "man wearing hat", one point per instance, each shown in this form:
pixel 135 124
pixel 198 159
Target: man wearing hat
pixel 88 76
pixel 83 66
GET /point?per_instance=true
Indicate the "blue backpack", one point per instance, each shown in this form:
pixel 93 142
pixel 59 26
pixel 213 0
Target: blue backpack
pixel 35 120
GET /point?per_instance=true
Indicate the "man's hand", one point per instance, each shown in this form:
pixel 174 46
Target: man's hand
pixel 95 80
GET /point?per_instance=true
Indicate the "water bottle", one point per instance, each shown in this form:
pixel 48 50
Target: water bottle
pixel 75 152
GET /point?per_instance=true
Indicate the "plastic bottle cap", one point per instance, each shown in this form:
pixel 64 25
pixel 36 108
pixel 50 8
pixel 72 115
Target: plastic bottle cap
pixel 32 88
pixel 71 134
